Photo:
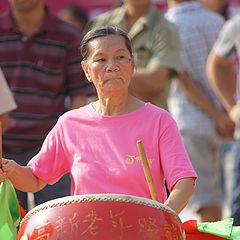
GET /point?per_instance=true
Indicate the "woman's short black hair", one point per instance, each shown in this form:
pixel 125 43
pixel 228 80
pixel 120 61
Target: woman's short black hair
pixel 102 32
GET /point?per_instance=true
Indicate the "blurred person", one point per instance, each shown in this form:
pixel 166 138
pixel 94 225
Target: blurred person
pixel 227 8
pixel 74 15
pixel 7 102
pixel 156 47
pixel 221 71
pixel 224 7
pixel 40 60
pixel 94 144
pixel 199 114
pixel 233 8
pixel 218 6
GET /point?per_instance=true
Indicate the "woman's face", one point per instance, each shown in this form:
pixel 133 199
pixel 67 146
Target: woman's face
pixel 109 64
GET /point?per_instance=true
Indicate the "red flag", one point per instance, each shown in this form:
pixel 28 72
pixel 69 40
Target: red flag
pixel 191 230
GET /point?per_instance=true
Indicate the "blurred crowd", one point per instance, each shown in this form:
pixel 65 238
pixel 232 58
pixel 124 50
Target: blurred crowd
pixel 186 58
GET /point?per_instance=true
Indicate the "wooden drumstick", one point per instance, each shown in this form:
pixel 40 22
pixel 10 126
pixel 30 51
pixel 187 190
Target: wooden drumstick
pixel 146 169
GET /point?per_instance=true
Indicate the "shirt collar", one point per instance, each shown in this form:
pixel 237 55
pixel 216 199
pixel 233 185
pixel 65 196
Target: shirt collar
pixel 149 16
pixel 121 15
pixel 146 19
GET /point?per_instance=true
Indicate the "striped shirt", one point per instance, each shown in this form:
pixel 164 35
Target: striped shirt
pixel 198 29
pixel 41 71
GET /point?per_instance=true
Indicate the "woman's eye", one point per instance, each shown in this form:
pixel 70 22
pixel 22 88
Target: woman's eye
pixel 99 60
pixel 121 57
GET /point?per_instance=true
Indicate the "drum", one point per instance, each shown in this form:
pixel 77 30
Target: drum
pixel 101 217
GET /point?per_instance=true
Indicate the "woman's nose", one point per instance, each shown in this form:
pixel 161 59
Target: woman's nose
pixel 112 65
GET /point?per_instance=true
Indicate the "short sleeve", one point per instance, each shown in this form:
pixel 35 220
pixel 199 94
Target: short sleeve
pixel 167 49
pixel 51 163
pixel 225 44
pixel 175 161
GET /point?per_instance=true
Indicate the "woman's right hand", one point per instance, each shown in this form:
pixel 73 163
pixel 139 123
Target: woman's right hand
pixel 8 167
pixel 3 175
pixel 21 177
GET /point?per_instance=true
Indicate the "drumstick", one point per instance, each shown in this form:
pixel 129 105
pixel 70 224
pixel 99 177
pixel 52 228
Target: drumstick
pixel 146 169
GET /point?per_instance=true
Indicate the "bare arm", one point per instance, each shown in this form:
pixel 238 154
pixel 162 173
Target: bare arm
pixel 198 97
pixel 220 73
pixel 147 82
pixel 180 194
pixel 4 120
pixel 21 177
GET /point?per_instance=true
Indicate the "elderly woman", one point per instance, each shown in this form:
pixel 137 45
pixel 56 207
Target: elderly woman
pixel 97 143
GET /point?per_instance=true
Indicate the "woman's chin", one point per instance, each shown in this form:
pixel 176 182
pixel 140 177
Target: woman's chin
pixel 115 87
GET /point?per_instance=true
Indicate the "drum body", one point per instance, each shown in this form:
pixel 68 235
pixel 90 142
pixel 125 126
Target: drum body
pixel 101 217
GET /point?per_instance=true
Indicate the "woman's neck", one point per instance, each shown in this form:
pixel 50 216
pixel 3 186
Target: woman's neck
pixel 113 106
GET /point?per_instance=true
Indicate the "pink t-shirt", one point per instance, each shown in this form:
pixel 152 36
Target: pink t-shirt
pixel 101 153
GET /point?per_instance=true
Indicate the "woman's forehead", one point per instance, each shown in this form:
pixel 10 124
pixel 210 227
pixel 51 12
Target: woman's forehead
pixel 108 41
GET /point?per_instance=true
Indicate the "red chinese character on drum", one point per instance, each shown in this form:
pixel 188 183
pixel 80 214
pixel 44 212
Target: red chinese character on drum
pixel 41 232
pixel 101 217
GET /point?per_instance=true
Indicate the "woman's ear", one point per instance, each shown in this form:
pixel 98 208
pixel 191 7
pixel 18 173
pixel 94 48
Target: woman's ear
pixel 85 69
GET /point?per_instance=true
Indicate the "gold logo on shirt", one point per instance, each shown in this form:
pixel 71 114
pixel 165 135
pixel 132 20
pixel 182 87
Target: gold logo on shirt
pixel 131 159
